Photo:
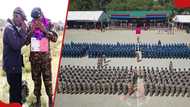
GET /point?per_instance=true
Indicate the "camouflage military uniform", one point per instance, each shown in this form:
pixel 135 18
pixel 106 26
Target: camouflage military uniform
pixel 41 66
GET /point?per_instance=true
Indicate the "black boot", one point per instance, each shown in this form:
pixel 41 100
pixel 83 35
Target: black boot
pixel 38 102
pixel 50 101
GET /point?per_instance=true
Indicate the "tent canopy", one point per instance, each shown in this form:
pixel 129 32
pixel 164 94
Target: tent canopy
pixel 182 19
pixel 87 16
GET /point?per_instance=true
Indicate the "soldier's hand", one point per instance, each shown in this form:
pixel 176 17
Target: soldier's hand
pixel 33 27
pixel 41 26
pixel 49 34
pixel 24 27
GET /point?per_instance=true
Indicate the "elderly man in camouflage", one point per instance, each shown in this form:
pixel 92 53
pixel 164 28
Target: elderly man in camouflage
pixel 41 59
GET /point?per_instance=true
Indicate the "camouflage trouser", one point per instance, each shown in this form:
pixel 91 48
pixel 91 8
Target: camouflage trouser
pixel 42 68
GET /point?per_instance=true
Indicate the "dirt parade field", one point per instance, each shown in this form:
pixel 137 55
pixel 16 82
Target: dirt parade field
pixel 124 36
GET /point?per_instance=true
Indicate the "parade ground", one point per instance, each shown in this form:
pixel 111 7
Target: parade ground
pixel 123 36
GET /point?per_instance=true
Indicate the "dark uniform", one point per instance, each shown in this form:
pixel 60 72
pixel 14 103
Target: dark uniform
pixel 14 38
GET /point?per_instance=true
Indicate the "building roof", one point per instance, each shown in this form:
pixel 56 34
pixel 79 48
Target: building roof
pixel 138 14
pixel 86 16
pixel 182 18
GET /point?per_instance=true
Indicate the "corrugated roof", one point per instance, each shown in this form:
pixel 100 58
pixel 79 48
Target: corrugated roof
pixel 182 18
pixel 84 15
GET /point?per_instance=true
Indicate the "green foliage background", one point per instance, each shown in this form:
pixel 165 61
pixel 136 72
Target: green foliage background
pixel 110 5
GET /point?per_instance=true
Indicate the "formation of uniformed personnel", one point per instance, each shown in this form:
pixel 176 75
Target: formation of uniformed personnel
pixel 39 39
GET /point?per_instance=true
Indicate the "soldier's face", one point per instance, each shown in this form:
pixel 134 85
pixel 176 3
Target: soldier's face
pixel 38 20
